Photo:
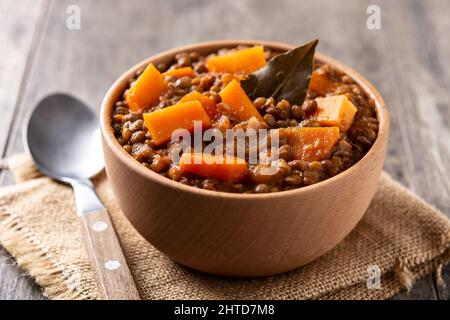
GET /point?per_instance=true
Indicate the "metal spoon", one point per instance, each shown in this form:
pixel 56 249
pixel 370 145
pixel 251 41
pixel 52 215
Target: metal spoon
pixel 63 137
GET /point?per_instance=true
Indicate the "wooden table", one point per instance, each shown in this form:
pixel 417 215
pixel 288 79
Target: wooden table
pixel 407 60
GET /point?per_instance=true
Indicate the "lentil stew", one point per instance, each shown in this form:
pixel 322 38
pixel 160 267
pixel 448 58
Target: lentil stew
pixel 326 133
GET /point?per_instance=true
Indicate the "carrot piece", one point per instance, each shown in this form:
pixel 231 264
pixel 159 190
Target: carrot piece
pixel 161 123
pixel 241 106
pixel 225 168
pixel 208 104
pixel 180 72
pixel 240 61
pixel 335 111
pixel 312 143
pixel 146 90
pixel 321 84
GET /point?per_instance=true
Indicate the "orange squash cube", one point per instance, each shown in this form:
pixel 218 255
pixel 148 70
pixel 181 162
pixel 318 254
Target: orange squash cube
pixel 320 84
pixel 335 111
pixel 241 106
pixel 312 143
pixel 240 61
pixel 146 90
pixel 161 123
pixel 225 168
pixel 180 72
pixel 208 104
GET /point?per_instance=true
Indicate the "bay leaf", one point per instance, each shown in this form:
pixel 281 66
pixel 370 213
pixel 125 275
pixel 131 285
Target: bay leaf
pixel 285 76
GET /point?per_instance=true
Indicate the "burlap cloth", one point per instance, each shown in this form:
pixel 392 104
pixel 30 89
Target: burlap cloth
pixel 400 234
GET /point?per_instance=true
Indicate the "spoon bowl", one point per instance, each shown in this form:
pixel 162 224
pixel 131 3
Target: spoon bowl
pixel 63 137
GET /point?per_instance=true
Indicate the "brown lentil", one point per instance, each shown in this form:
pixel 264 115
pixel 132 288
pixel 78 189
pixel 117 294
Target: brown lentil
pixel 262 188
pixel 309 106
pixel 227 78
pixel 270 120
pixel 259 102
pixel 160 163
pixel 294 179
pixel 297 112
pixel 285 152
pixel 137 137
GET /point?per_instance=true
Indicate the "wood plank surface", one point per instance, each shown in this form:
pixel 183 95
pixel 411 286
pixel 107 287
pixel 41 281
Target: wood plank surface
pixel 19 32
pixel 407 60
pixel 17 28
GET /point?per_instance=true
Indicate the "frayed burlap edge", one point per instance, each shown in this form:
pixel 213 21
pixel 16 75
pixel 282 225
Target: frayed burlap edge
pixel 33 257
pixel 409 270
pixel 401 278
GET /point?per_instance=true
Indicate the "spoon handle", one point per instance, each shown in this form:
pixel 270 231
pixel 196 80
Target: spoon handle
pixel 110 267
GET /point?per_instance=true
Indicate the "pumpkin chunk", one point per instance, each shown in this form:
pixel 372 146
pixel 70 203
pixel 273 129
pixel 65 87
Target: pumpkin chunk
pixel 321 84
pixel 180 72
pixel 240 61
pixel 241 106
pixel 208 103
pixel 161 123
pixel 335 111
pixel 225 168
pixel 146 90
pixel 312 143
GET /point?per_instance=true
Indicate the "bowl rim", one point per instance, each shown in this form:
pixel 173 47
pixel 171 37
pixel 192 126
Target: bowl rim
pixel 111 141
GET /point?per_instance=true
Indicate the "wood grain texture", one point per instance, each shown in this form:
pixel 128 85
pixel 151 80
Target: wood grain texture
pixel 407 60
pixel 424 289
pixel 17 30
pixel 20 24
pixel 114 279
pixel 14 282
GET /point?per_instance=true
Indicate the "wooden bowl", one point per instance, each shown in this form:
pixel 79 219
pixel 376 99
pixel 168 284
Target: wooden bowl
pixel 241 235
